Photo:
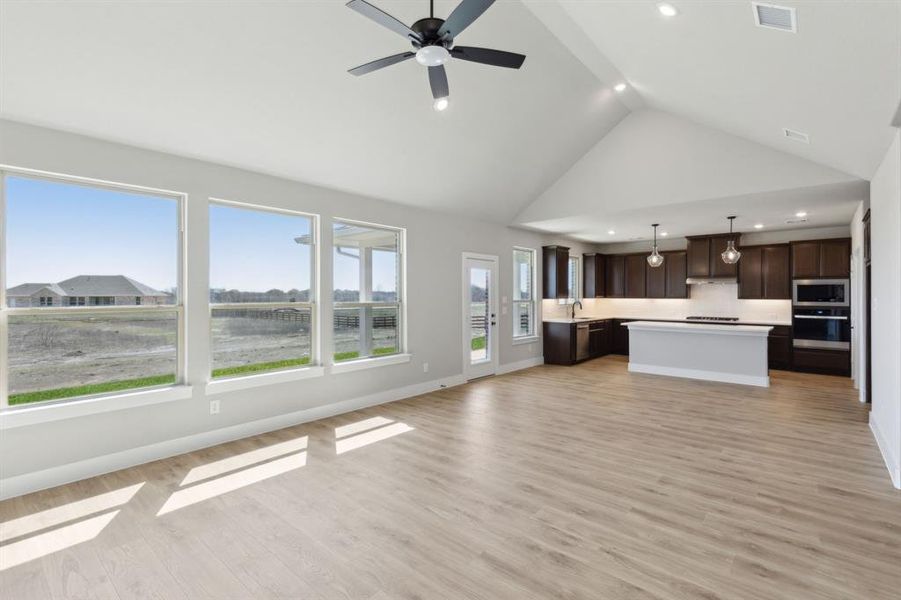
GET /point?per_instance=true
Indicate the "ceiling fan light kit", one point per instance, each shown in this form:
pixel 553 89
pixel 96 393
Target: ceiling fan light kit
pixel 433 43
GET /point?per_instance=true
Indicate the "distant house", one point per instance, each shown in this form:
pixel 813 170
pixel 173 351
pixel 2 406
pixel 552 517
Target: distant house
pixel 87 290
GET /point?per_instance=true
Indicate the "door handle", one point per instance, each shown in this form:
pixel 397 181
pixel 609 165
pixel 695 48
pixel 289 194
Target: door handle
pixel 493 323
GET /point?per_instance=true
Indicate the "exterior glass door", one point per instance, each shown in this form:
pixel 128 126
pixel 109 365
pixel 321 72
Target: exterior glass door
pixel 479 315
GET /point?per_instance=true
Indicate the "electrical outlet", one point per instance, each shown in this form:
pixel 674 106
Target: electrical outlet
pixel 214 407
pixel 425 367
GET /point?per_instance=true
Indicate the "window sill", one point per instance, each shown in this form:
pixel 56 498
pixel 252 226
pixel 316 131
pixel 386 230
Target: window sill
pixel 370 363
pixel 46 413
pixel 244 382
pixel 525 340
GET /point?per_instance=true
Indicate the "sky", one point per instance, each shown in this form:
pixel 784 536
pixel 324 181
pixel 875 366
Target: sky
pixel 59 230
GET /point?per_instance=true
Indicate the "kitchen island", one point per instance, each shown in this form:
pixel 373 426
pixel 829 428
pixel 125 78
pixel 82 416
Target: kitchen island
pixel 712 352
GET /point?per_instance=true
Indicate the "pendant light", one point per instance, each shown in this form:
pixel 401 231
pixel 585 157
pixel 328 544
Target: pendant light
pixel 654 258
pixel 731 255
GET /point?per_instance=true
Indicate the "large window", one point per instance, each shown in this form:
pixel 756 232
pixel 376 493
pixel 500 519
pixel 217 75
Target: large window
pixel 262 289
pixel 368 290
pixel 76 257
pixel 572 279
pixel 523 293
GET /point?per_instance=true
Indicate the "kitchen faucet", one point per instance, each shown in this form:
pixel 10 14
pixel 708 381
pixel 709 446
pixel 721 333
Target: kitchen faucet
pixel 574 307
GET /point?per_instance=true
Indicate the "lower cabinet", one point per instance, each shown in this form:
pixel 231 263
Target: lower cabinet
pixel 827 362
pixel 620 337
pixel 599 338
pixel 779 347
pixel 561 341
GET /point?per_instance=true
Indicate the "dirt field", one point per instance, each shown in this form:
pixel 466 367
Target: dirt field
pixel 62 351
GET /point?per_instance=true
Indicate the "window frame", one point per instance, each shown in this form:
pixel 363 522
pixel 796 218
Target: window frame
pixel 533 300
pixel 401 303
pixel 312 304
pixel 178 307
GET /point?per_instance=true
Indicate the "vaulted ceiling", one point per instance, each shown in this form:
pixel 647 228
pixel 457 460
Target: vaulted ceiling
pixel 697 132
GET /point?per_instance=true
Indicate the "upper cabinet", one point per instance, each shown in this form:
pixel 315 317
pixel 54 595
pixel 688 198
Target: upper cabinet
pixel 763 272
pixel 555 264
pixel 594 276
pixel 616 276
pixel 813 259
pixel 668 280
pixel 635 275
pixel 704 258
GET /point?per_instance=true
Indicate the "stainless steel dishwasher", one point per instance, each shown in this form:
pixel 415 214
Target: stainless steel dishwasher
pixel 582 341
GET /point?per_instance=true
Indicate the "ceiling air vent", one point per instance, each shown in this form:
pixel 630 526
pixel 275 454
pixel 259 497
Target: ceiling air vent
pixel 775 17
pixel 796 135
pixel 794 221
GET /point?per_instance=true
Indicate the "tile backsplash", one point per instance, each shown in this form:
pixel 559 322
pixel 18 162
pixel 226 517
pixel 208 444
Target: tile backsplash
pixel 712 300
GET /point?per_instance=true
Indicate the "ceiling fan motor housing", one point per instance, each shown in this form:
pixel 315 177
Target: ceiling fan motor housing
pixel 427 29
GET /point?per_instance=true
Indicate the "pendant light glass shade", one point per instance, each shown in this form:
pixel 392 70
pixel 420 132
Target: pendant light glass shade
pixel 655 259
pixel 731 255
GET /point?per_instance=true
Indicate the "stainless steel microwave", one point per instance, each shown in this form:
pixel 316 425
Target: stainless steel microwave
pixel 821 292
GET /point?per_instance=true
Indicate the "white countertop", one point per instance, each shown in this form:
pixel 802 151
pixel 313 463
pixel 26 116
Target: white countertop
pixel 694 327
pixel 586 319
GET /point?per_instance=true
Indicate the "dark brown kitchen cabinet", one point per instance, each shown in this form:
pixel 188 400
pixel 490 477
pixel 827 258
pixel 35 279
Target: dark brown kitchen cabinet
pixel 635 275
pixel 616 276
pixel 827 362
pixel 763 272
pixel 835 258
pixel 699 257
pixel 555 265
pixel 704 256
pixel 620 337
pixel 675 265
pixel 599 338
pixel 559 343
pixel 811 259
pixel 594 276
pixel 779 345
pixel 656 280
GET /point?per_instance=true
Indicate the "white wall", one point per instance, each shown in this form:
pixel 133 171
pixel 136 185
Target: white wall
pixel 885 219
pixel 434 245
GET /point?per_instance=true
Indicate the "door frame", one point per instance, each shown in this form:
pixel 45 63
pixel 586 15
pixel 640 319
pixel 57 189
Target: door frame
pixel 489 367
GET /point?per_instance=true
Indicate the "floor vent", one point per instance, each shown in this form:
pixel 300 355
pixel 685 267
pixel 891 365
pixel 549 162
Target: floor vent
pixel 796 135
pixel 775 17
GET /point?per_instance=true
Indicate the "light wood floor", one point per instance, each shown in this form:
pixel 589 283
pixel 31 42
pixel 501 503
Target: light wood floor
pixel 555 482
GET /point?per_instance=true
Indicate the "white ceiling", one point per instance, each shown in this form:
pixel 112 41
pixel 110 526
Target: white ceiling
pixel 655 167
pixel 263 85
pixel 837 79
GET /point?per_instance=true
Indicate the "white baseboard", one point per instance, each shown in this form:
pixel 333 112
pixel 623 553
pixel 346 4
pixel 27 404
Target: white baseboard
pixel 700 374
pixel 26 483
pixel 520 365
pixel 892 462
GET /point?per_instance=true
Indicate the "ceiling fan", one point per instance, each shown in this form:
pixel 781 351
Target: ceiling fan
pixel 433 41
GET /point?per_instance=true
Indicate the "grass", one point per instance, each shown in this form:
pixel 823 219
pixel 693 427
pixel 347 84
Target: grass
pixel 264 366
pixel 478 343
pixel 90 389
pixel 339 356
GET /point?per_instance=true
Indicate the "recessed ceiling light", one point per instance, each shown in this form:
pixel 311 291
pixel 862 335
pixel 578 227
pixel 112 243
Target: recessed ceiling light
pixel 663 234
pixel 667 10
pixel 611 232
pixel 758 226
pixel 800 214
pixel 620 87
pixel 441 104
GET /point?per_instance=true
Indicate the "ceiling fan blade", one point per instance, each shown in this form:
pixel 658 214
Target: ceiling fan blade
pixel 438 81
pixel 381 63
pixel 383 19
pixel 487 56
pixel 463 16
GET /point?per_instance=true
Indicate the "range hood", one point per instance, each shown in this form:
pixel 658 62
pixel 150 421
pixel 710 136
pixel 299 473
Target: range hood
pixel 710 280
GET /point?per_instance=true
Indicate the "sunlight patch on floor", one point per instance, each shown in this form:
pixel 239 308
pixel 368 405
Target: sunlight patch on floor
pixel 243 460
pixel 370 437
pixel 37 546
pixel 234 481
pixel 360 426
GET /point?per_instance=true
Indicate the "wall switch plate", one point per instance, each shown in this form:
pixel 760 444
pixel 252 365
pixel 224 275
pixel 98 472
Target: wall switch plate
pixel 425 367
pixel 214 407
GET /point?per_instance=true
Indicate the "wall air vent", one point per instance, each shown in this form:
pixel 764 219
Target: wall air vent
pixel 771 16
pixel 796 136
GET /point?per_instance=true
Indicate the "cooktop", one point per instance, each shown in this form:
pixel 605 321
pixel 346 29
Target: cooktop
pixel 701 318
